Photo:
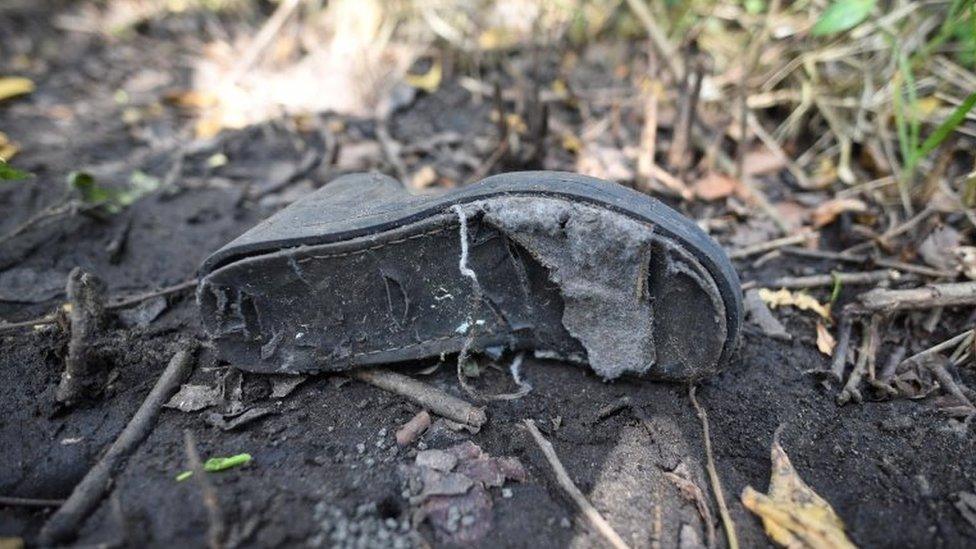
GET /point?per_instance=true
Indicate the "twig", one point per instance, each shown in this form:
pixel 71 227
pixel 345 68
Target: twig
pixel 723 509
pixel 12 501
pixel 926 297
pixel 264 37
pixel 901 228
pixel 64 523
pixel 128 301
pixel 920 357
pixel 867 260
pixel 869 344
pixel 596 520
pixel 86 293
pixel 413 428
pixel 47 319
pixel 945 380
pixel 424 395
pixel 840 351
pixel 774 244
pixel 118 303
pixel 822 280
pixel 658 37
pixel 391 149
pixel 215 519
pixel 309 162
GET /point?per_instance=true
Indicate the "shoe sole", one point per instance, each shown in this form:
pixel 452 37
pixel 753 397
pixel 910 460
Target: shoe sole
pixel 566 265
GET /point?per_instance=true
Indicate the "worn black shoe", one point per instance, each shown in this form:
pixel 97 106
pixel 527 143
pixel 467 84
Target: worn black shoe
pixel 362 272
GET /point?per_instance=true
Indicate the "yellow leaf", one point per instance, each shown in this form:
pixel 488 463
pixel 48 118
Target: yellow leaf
pixel 792 513
pixel 800 300
pixel 7 148
pixel 423 178
pixel 825 341
pixel 12 86
pixel 572 143
pixel 429 81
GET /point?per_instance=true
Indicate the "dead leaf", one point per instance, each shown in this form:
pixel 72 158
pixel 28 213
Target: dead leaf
pixel 429 81
pixel 605 163
pixel 715 186
pixel 827 212
pixel 8 148
pixel 825 341
pixel 800 300
pixel 758 313
pixel 967 260
pixel 423 178
pixel 939 248
pixel 792 513
pixel 192 398
pixel 762 161
pixel 14 86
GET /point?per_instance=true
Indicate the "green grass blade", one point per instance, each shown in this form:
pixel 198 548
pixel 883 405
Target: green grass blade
pixel 945 128
pixel 842 15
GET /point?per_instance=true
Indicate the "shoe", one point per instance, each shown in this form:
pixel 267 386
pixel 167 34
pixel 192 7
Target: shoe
pixel 362 272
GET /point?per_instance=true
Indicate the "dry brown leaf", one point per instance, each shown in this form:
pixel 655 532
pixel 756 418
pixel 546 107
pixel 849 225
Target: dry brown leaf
pixel 800 300
pixel 940 248
pixel 792 513
pixel 423 178
pixel 715 186
pixel 762 161
pixel 825 341
pixel 827 212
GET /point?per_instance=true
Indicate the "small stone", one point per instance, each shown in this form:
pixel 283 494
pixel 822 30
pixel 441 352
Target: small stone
pixel 361 448
pixel 564 522
pixel 439 460
pixel 507 493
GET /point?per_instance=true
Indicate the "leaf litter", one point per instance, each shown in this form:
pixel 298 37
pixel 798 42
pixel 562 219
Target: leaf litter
pixel 792 513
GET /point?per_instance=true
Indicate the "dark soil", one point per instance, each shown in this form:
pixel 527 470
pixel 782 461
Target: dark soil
pixel 326 454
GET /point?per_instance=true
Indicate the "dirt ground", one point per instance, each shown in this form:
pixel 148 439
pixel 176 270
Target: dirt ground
pixel 325 467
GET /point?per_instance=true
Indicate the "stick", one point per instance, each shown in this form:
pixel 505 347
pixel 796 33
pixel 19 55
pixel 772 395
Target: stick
pixel 723 509
pixel 128 301
pixel 215 520
pixel 771 245
pixel 940 373
pixel 264 37
pixel 821 280
pixel 869 342
pixel 12 501
pixel 840 352
pixel 424 395
pixel 596 520
pixel 866 260
pixel 64 523
pixel 919 357
pixel 115 303
pixel 86 293
pixel 926 297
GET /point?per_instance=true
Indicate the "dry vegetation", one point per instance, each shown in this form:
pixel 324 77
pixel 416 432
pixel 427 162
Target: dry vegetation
pixel 829 146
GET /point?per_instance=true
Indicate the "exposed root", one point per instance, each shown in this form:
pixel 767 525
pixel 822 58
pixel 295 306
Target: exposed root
pixel 86 294
pixel 594 517
pixel 723 509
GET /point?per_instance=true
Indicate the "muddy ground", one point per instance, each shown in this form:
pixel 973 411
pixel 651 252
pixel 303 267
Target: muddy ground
pixel 325 465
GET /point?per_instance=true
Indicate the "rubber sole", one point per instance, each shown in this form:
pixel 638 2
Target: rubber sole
pixel 301 294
